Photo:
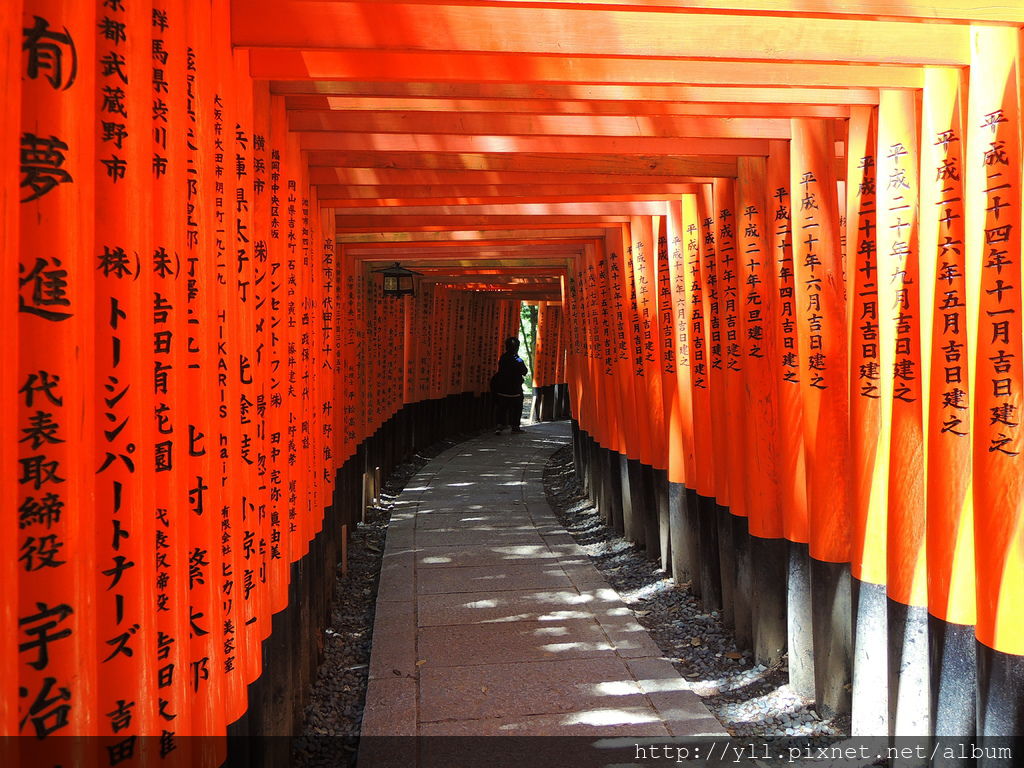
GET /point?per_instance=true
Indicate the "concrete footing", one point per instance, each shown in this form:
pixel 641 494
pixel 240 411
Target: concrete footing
pixel 870 699
pixel 833 635
pixel 768 564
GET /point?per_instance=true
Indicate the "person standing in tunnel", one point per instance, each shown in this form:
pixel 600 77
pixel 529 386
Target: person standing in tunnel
pixel 507 385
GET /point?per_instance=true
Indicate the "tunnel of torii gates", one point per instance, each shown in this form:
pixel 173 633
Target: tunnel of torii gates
pixel 776 247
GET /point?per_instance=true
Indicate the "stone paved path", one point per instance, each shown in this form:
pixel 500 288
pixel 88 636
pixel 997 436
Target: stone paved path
pixel 491 621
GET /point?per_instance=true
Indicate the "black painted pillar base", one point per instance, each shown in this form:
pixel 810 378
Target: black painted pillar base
pixel 597 468
pixel 613 462
pixel 547 403
pixel 1001 703
pixel 742 608
pixel 652 537
pixel 954 676
pixel 768 565
pixel 908 670
pixel 682 519
pixel 870 700
pixel 710 573
pixel 833 636
pixel 664 525
pixel 696 555
pixel 563 405
pixel 632 501
pixel 726 564
pixel 800 620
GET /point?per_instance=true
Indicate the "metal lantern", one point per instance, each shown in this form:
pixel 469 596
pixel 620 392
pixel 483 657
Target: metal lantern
pixel 398 280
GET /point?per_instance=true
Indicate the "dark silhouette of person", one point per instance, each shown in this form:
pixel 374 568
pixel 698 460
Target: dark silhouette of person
pixel 507 386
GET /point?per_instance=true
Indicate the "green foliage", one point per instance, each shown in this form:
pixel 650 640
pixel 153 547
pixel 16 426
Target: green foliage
pixel 528 331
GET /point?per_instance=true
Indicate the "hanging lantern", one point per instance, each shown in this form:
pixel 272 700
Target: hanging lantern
pixel 398 281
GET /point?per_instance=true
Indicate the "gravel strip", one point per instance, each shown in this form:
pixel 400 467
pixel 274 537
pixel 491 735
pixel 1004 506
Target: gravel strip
pixel 330 732
pixel 750 700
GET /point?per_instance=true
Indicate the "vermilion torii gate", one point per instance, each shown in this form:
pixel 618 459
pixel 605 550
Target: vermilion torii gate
pixel 784 236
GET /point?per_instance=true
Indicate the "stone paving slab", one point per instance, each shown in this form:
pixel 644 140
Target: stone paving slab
pixel 466 644
pixel 460 556
pixel 530 688
pixel 491 620
pixel 499 577
pixel 489 607
pixel 601 722
pixel 502 537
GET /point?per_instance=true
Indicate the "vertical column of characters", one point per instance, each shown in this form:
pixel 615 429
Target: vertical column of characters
pixel 282 325
pixel 792 471
pixel 900 308
pixel 769 551
pixel 363 326
pixel 552 356
pixel 589 362
pixel 226 422
pixel 870 391
pixel 731 320
pixel 312 380
pixel 637 372
pixel 540 345
pixel 600 318
pixel 993 159
pixel 451 337
pixel 377 385
pixel 243 370
pixel 328 372
pixel 276 350
pixel 670 314
pixel 610 270
pixel 421 329
pixel 870 398
pixel 391 315
pixel 575 340
pixel 458 342
pixel 561 359
pixel 166 305
pixel 645 282
pixel 368 352
pixel 349 374
pixel 712 298
pixel 408 348
pixel 291 331
pixel 472 374
pixel 258 560
pixel 707 348
pixel 703 481
pixel 424 312
pixel 443 307
pixel 310 517
pixel 10 93
pixel 758 341
pixel 55 469
pixel 679 300
pixel 124 449
pixel 821 332
pixel 203 497
pixel 945 342
pixel 436 352
pixel 481 365
pixel 554 316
